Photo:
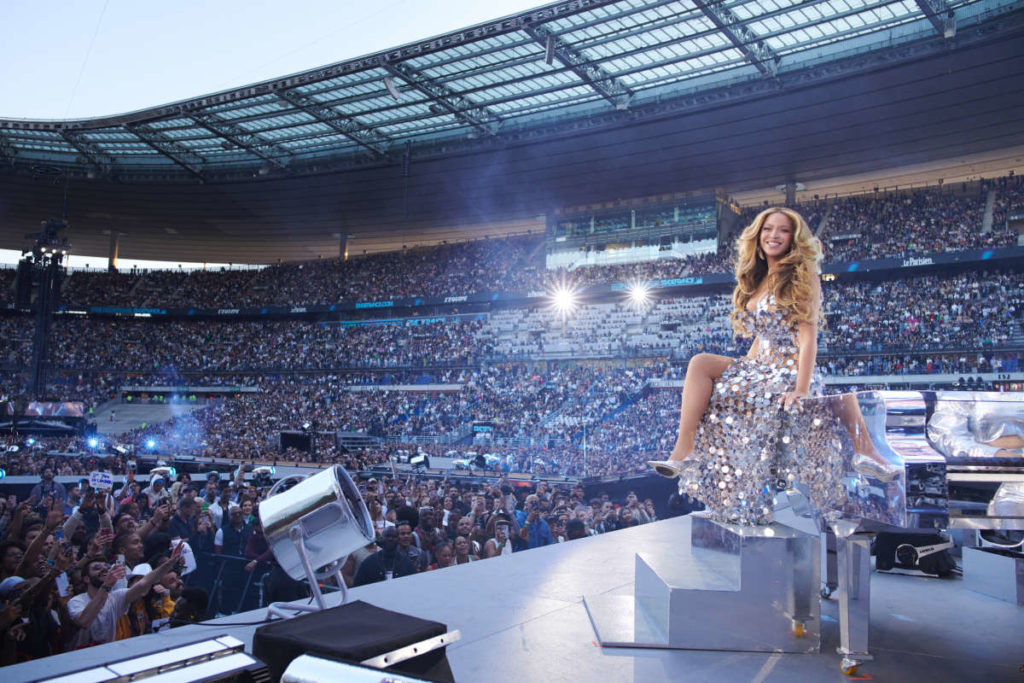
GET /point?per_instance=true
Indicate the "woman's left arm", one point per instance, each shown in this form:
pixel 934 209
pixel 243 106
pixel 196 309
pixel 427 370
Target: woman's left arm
pixel 807 349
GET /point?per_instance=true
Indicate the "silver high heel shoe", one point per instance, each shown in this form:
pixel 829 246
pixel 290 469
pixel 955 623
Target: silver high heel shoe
pixel 667 468
pixel 868 466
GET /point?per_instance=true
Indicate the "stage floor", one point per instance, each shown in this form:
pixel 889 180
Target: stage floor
pixel 522 618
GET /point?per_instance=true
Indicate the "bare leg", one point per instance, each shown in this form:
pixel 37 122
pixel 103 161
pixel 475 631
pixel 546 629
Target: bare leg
pixel 701 373
pixel 866 459
pixel 849 414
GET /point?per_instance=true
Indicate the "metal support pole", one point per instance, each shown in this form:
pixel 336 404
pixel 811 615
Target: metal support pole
pixel 115 245
pixel 790 193
pixel 854 563
pixel 295 533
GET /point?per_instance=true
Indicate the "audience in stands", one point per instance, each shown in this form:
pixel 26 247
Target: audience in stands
pixel 887 224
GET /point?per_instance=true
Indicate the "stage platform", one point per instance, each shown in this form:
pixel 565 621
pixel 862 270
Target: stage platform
pixel 522 618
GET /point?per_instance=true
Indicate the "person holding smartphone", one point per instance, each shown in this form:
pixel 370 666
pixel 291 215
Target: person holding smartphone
pixel 97 610
pixel 532 527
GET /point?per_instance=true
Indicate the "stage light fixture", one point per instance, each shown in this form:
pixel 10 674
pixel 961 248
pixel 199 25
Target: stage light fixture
pixel 315 523
pixel 563 299
pixel 639 294
pixel 93 442
pixel 392 89
pixel 150 444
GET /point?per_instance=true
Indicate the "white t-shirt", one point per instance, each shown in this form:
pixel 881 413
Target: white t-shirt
pixel 217 513
pixel 104 626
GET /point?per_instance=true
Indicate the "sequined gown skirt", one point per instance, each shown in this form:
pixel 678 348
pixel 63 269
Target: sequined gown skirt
pixel 747 448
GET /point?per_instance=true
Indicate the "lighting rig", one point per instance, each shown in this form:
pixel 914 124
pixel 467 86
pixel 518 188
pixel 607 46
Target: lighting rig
pixel 42 268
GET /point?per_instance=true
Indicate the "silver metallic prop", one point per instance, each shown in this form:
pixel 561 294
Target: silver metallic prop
pixel 852 465
pixel 316 524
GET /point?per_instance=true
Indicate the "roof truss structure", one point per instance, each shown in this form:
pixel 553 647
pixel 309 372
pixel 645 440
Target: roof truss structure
pixel 446 98
pixel 170 148
pixel 361 134
pixel 940 15
pixel 571 65
pixel 590 73
pixel 760 54
pixel 239 137
pixel 99 161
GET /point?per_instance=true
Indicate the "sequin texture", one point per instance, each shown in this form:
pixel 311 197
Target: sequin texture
pixel 745 430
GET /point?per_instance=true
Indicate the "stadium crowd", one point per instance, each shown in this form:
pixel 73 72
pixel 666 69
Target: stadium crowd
pixel 83 566
pixel 974 310
pixel 914 223
pixel 887 224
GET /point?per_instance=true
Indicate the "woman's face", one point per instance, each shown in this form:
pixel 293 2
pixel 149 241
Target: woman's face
pixel 461 546
pixel 448 503
pixel 247 508
pixel 776 236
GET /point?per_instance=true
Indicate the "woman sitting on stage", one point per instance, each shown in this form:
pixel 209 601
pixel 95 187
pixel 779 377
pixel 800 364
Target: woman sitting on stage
pixel 729 418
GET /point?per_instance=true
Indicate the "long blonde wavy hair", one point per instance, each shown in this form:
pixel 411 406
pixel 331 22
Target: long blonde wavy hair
pixel 790 283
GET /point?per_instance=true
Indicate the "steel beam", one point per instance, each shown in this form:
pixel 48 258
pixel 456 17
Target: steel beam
pixel 170 148
pixel 746 41
pixel 250 142
pixel 604 83
pixel 97 158
pixel 444 97
pixel 939 14
pixel 355 131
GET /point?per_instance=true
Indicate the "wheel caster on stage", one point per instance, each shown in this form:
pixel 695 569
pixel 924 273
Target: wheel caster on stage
pixel 849 667
pixel 826 593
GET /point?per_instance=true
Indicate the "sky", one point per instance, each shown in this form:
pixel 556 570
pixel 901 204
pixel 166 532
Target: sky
pixel 88 58
pixel 85 58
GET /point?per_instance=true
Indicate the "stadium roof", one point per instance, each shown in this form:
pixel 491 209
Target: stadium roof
pixel 485 137
pixel 565 66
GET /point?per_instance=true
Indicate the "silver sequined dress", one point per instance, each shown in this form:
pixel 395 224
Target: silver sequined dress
pixel 746 447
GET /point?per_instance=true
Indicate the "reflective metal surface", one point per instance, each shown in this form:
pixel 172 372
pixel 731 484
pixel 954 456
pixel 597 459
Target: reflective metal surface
pixel 309 669
pixel 328 514
pixel 925 460
pixel 741 588
pixel 995 572
pixel 205 660
pixel 854 563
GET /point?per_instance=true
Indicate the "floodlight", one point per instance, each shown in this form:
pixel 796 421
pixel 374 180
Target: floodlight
pixel 30 441
pixel 150 444
pixel 563 299
pixel 392 89
pixel 639 294
pixel 316 523
pixel 93 442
